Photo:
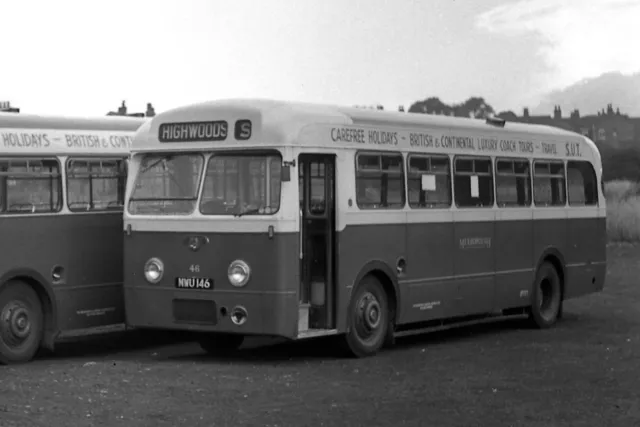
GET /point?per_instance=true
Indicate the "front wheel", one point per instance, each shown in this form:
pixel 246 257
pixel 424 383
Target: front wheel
pixel 546 307
pixel 219 344
pixel 21 323
pixel 368 318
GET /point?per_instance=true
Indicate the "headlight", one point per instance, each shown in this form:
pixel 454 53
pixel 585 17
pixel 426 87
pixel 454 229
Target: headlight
pixel 239 273
pixel 153 270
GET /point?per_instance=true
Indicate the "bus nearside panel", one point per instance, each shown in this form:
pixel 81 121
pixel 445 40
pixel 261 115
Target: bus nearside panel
pixel 84 248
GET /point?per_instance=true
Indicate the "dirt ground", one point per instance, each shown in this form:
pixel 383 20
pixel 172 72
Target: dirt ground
pixel 584 372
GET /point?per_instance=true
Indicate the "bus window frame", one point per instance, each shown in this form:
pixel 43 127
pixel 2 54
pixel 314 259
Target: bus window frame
pixel 491 174
pixel 449 176
pixel 381 153
pixel 204 154
pixel 529 162
pixel 125 163
pixel 533 176
pixel 61 194
pixel 595 179
pixel 239 152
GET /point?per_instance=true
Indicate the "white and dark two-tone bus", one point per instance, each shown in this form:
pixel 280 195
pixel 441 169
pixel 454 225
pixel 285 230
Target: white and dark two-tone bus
pixel 62 183
pixel 257 217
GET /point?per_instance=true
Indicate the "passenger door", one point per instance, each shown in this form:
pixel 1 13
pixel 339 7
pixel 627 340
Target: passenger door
pixel 317 228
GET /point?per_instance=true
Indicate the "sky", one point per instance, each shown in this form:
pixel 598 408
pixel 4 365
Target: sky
pixel 84 57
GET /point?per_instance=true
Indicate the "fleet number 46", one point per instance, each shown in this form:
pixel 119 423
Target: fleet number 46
pixel 194 268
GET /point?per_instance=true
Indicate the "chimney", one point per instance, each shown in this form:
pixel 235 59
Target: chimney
pixel 5 107
pixel 150 110
pixel 609 109
pixel 557 113
pixel 525 113
pixel 122 110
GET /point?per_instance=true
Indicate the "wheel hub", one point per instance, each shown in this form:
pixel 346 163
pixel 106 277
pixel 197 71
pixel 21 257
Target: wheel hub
pixel 15 325
pixel 372 314
pixel 368 316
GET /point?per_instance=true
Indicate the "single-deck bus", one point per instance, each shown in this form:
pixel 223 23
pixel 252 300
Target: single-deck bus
pixel 62 182
pixel 260 217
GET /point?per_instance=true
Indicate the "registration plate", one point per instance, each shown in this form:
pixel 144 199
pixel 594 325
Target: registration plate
pixel 204 283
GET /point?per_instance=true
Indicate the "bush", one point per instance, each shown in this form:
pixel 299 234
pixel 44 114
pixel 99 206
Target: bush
pixel 623 211
pixel 618 190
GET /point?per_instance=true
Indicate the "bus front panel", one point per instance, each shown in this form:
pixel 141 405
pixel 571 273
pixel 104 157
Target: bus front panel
pixel 195 290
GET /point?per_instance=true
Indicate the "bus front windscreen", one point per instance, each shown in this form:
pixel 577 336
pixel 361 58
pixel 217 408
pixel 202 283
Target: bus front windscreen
pixel 247 184
pixel 166 184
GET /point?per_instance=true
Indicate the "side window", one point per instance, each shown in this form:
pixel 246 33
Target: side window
pixel 30 186
pixel 95 184
pixel 549 183
pixel 317 190
pixel 473 182
pixel 429 181
pixel 513 182
pixel 379 181
pixel 582 183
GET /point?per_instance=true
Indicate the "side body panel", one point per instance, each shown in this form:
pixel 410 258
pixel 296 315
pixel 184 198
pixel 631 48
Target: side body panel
pixel 88 248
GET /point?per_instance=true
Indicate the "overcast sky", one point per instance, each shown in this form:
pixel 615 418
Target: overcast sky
pixel 86 56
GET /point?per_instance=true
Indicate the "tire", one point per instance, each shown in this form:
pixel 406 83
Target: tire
pixel 21 323
pixel 220 344
pixel 546 304
pixel 367 319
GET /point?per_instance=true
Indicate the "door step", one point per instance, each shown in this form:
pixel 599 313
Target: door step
pixel 303 325
pixel 303 317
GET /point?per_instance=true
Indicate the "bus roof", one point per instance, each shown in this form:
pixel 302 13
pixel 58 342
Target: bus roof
pixel 275 122
pixel 34 121
pixel 28 134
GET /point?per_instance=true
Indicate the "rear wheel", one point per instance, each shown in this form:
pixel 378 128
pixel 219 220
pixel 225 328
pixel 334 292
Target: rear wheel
pixel 546 307
pixel 368 318
pixel 21 323
pixel 218 344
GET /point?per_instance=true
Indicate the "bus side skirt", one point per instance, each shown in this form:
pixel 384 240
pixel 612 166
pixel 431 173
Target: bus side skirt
pixel 436 325
pixel 445 324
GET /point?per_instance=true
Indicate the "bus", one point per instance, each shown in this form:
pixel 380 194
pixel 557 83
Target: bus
pixel 270 218
pixel 62 182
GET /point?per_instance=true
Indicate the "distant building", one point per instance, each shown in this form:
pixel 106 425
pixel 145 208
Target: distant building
pixel 122 111
pixel 609 127
pixel 5 107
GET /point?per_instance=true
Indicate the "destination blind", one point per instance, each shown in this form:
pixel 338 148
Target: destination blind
pixel 204 131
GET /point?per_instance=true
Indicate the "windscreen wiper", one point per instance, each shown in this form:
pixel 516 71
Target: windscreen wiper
pixel 154 164
pixel 248 212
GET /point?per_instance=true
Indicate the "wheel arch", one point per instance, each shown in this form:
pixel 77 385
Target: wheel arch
pixel 47 298
pixel 386 276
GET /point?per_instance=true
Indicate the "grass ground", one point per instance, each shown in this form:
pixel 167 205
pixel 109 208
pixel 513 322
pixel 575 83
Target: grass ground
pixel 584 372
pixel 623 211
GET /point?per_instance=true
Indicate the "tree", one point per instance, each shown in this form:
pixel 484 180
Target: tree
pixel 473 107
pixel 476 107
pixel 431 105
pixel 508 115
